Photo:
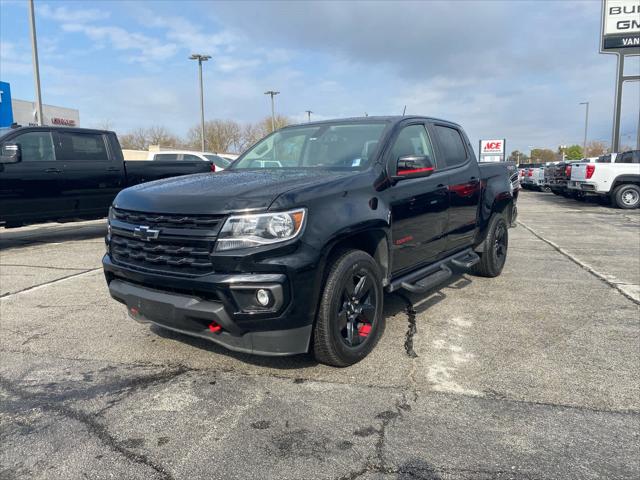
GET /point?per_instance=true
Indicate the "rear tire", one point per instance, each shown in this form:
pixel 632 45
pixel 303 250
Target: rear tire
pixel 627 196
pixel 494 250
pixel 349 322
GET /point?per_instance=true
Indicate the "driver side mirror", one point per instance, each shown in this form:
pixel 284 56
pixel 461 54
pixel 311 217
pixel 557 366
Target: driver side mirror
pixel 413 166
pixel 10 153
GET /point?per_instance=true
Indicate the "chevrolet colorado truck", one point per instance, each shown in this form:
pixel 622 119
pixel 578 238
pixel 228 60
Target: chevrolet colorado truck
pixel 292 248
pixel 62 173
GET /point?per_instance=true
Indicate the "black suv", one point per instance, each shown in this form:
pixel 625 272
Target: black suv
pixel 293 246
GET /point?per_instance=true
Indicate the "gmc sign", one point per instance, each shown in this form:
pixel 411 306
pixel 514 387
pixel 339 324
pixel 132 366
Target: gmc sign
pixel 620 24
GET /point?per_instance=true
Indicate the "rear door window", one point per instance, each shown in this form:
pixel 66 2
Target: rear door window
pixel 35 146
pixel 629 157
pixel 451 145
pixel 191 158
pixel 82 146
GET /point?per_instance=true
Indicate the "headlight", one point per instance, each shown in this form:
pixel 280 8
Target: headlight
pixel 243 231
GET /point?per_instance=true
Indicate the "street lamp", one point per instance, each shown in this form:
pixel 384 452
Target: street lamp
pixel 586 125
pixel 309 112
pixel 201 58
pixel 272 93
pixel 36 68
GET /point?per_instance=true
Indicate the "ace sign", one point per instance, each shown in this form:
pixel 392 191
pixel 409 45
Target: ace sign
pixel 620 25
pixel 492 150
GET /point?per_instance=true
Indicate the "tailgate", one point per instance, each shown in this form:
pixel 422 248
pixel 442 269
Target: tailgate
pixel 579 172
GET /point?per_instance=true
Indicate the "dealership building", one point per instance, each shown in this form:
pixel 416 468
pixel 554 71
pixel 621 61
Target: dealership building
pixel 24 112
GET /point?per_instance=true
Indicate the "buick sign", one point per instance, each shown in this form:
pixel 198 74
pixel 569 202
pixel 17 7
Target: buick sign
pixel 620 24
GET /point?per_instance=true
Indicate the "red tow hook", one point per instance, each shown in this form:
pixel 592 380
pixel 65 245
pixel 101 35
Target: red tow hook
pixel 214 327
pixel 364 330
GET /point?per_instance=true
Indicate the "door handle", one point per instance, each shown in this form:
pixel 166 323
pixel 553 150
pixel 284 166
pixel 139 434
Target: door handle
pixel 53 170
pixel 441 185
pixel 113 169
pixel 472 178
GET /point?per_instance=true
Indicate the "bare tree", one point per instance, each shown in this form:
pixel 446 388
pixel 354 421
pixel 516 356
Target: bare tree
pixel 141 138
pixel 595 149
pixel 219 135
pixel 158 135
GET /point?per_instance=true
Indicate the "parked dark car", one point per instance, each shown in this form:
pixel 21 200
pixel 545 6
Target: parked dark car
pixel 55 173
pixel 292 247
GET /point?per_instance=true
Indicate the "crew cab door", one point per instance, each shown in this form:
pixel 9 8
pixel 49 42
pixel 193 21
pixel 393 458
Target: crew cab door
pixel 92 177
pixel 455 153
pixel 418 205
pixel 30 189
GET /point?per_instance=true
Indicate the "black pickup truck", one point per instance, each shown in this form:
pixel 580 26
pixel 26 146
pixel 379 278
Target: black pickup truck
pixel 55 173
pixel 292 247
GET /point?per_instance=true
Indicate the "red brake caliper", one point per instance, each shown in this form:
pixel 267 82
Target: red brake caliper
pixel 364 329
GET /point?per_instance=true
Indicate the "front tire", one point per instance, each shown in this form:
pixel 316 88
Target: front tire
pixel 627 196
pixel 349 320
pixel 494 251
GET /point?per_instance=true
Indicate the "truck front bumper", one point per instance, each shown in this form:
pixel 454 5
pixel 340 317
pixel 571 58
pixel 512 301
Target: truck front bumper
pixel 204 318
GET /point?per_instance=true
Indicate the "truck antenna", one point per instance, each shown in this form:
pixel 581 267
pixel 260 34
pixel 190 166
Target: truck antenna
pixel 404 111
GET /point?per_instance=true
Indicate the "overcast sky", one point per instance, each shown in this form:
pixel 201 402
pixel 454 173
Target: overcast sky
pixel 510 69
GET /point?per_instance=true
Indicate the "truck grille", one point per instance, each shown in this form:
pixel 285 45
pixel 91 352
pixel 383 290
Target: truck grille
pixel 157 220
pixel 191 258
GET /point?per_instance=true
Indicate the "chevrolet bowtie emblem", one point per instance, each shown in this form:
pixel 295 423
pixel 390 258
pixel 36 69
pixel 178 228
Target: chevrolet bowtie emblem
pixel 145 233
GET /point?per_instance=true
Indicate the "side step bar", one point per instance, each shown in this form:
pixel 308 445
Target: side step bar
pixel 427 283
pixel 467 260
pixel 424 279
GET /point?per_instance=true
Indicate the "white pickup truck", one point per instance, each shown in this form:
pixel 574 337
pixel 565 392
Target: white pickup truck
pixel 616 176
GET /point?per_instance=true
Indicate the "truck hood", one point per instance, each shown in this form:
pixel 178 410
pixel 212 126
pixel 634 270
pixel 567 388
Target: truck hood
pixel 222 192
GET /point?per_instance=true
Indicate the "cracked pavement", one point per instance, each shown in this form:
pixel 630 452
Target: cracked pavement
pixel 532 375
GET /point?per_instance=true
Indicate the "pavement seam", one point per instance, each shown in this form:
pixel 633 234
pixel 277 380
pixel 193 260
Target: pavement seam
pixel 222 371
pixel 615 284
pixel 41 266
pixel 46 284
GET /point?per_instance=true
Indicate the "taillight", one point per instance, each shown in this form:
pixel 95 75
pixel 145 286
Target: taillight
pixel 590 169
pixel 567 171
pixel 530 172
pixel 213 167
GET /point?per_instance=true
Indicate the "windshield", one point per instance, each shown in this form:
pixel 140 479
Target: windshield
pixel 337 146
pixel 218 161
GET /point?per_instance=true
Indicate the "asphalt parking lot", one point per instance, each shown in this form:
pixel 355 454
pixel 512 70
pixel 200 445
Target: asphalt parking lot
pixel 533 375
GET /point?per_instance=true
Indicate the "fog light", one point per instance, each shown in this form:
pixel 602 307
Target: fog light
pixel 263 297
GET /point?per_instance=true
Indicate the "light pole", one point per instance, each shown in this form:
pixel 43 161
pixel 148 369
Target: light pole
pixel 309 112
pixel 36 68
pixel 531 147
pixel 201 58
pixel 586 126
pixel 272 93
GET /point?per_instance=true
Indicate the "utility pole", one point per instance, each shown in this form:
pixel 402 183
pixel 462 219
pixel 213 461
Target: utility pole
pixel 36 68
pixel 586 126
pixel 201 58
pixel 272 93
pixel 617 107
pixel 309 112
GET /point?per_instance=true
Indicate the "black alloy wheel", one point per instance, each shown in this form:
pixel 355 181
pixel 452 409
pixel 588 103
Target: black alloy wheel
pixel 349 321
pixel 357 313
pixel 493 253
